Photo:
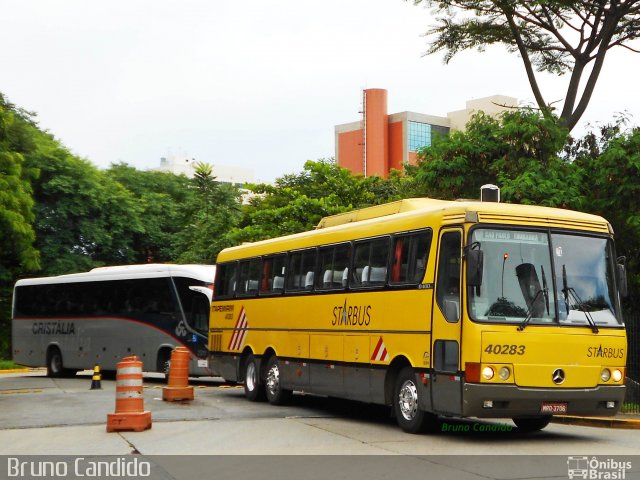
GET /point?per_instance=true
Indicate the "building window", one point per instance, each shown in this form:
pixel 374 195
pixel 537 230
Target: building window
pixel 419 135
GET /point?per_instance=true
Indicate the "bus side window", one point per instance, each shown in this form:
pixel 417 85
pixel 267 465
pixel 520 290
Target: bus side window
pixel 334 266
pixel 409 260
pixel 225 283
pixel 249 277
pixel 273 273
pixel 300 274
pixel 370 263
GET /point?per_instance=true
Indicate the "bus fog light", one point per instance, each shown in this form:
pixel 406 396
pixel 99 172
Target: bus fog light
pixel 487 373
pixel 487 404
pixel 611 404
pixel 605 375
pixel 617 375
pixel 504 373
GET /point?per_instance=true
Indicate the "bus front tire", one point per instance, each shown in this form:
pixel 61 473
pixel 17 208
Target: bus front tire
pixel 406 404
pixel 253 386
pixel 276 395
pixel 55 367
pixel 164 362
pixel 532 424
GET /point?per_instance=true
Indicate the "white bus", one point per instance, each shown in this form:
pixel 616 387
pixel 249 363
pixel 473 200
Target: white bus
pixel 73 322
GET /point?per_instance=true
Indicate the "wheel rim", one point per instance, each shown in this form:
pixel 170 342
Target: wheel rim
pixel 252 378
pixel 273 380
pixel 408 400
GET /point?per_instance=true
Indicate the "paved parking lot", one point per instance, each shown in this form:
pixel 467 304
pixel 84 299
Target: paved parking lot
pixel 44 416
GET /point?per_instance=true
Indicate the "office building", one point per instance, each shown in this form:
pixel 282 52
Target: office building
pixel 380 142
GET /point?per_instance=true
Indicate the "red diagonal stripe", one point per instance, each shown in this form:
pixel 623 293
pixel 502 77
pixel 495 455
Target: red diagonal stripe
pixel 377 350
pixel 241 332
pixel 235 330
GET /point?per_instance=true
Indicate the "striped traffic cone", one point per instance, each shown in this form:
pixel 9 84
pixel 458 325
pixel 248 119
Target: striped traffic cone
pixel 130 413
pixel 178 387
pixel 95 380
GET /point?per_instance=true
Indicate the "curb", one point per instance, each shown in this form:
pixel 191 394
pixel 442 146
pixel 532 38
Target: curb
pixel 15 370
pixel 602 422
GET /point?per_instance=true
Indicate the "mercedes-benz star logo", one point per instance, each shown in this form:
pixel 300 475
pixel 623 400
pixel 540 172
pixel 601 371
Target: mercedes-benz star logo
pixel 558 376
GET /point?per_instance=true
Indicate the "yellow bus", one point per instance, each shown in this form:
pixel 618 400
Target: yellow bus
pixel 451 308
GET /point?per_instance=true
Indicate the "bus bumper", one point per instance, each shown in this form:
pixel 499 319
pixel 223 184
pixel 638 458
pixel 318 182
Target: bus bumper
pixel 507 401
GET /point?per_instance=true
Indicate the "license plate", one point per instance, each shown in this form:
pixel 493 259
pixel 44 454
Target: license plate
pixel 553 407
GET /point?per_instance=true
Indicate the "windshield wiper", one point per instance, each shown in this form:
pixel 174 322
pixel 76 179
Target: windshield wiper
pixel 543 291
pixel 529 316
pixel 569 292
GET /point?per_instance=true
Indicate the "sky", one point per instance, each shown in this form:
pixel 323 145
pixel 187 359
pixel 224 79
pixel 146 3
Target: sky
pixel 247 83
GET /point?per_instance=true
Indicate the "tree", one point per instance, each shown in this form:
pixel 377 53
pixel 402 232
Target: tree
pixel 83 218
pixel 519 151
pixel 297 202
pixel 159 196
pixel 18 253
pixel 554 36
pixel 211 212
pixel 17 250
pixel 610 160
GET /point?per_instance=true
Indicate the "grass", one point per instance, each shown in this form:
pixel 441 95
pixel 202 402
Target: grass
pixel 9 365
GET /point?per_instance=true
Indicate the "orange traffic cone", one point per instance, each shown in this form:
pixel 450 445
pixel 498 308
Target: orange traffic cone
pixel 130 414
pixel 178 387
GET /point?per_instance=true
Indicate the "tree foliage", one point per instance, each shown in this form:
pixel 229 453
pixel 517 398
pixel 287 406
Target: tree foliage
pixel 555 36
pixel 519 150
pixel 211 212
pixel 17 250
pixel 297 202
pixel 160 197
pixel 83 217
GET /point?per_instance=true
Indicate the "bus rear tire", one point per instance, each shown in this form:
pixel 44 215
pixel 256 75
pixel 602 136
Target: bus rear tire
pixel 55 367
pixel 532 424
pixel 253 386
pixel 276 395
pixel 406 404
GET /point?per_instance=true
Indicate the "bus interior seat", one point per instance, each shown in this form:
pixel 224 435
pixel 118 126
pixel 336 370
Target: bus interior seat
pixel 374 275
pixel 308 281
pixel 251 286
pixel 327 278
pixel 278 283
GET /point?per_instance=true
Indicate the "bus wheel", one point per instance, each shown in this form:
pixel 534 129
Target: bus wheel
pixel 253 386
pixel 275 393
pixel 55 367
pixel 164 362
pixel 406 404
pixel 532 424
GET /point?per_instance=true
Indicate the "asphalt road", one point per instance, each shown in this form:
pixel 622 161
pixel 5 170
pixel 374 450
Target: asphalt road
pixel 43 416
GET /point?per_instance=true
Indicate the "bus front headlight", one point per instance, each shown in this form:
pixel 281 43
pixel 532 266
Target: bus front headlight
pixel 605 375
pixel 617 375
pixel 504 373
pixel 487 373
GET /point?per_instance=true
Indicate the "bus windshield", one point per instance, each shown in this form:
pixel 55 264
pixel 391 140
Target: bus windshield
pixel 520 283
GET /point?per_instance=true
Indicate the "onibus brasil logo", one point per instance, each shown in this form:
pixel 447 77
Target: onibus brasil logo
pixel 593 468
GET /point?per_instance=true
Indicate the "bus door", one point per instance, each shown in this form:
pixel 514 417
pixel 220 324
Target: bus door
pixel 446 385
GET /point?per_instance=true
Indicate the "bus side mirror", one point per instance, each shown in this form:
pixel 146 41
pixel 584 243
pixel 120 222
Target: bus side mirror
pixel 622 277
pixel 474 257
